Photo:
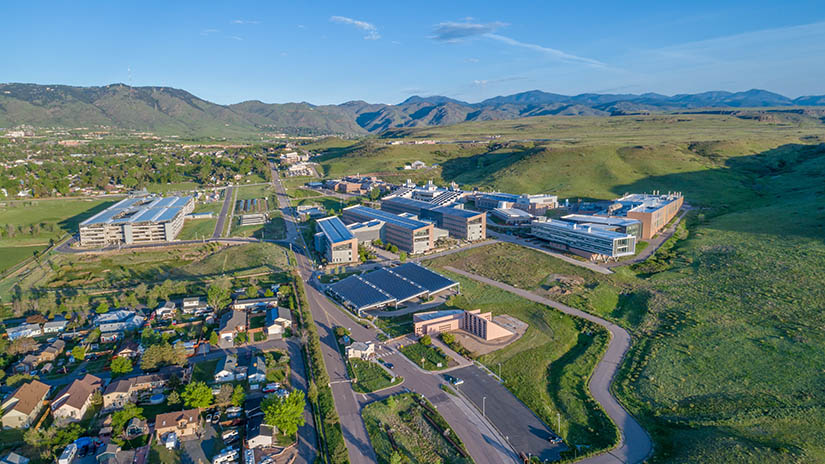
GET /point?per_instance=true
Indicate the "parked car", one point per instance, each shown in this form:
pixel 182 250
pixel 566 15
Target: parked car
pixel 216 418
pixel 271 387
pixel 209 418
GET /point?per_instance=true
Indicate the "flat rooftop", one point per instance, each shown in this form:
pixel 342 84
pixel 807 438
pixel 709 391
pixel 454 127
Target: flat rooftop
pixel 452 211
pixel 646 202
pixel 139 210
pixel 436 314
pixel 513 212
pixel 334 229
pixel 594 230
pixel 608 221
pixel 389 218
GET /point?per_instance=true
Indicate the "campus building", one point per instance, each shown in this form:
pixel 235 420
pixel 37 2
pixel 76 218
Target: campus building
pixel 458 222
pixel 148 219
pixel 512 216
pixel 409 235
pixel 616 224
pixel 429 193
pixel 591 242
pixel 653 210
pixel 335 242
pixel 474 322
pixel 533 204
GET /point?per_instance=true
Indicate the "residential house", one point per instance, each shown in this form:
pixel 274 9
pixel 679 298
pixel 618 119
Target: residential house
pixel 259 434
pixel 14 458
pixel 278 319
pixel 226 369
pixel 254 303
pixel 21 408
pixel 55 326
pixel 73 401
pixel 361 350
pixel 193 305
pixel 119 321
pixel 257 370
pixel 231 323
pixel 53 351
pixel 129 349
pixel 27 364
pixel 110 337
pixel 181 423
pixel 24 331
pixel 136 427
pixel 117 394
pixel 166 311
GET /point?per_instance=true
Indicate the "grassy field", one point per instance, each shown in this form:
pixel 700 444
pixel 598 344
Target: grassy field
pixel 275 229
pixel 395 326
pixel 427 357
pixel 50 219
pixel 194 229
pixel 249 192
pixel 303 193
pixel 370 376
pixel 9 256
pixel 398 425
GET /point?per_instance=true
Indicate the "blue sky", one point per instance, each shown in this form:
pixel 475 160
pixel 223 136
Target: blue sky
pixel 331 52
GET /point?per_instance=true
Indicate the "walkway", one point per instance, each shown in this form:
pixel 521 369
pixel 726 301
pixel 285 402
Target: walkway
pixel 634 443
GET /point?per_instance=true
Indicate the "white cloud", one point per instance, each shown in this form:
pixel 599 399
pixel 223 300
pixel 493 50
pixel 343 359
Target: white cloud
pixel 370 29
pixel 245 21
pixel 209 31
pixel 451 31
pixel 551 52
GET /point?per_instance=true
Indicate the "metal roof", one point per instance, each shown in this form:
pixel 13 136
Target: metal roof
pixel 359 293
pixel 139 209
pixel 432 281
pixel 451 211
pixel 334 229
pixel 610 221
pixel 594 230
pixel 387 217
pixel 428 316
pixel 395 285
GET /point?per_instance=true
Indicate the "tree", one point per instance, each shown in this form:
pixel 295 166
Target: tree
pixel 217 296
pixel 79 353
pixel 396 458
pixel 448 338
pixel 312 391
pixel 121 365
pixel 102 308
pixel 402 256
pixel 238 395
pixel 269 293
pixel 252 291
pixel 285 413
pixel 213 338
pixel 197 395
pixel 173 398
pixel 426 340
pixel 225 394
pixel 122 417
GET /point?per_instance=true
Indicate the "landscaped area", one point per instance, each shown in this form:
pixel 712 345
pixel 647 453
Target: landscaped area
pixel 395 326
pixel 427 357
pixel 369 376
pixel 402 426
pixel 274 229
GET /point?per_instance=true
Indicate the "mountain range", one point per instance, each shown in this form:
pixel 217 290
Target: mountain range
pixel 166 110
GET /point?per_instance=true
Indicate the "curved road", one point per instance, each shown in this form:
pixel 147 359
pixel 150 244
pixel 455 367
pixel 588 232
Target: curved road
pixel 634 442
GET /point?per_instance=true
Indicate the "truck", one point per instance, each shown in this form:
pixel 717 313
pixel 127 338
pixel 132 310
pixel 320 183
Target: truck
pixel 68 454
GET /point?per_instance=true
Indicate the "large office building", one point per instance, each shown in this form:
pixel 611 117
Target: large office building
pixel 148 219
pixel 409 235
pixel 533 204
pixel 458 222
pixel 615 223
pixel 429 193
pixel 389 286
pixel 653 210
pixel 475 322
pixel 335 241
pixel 592 242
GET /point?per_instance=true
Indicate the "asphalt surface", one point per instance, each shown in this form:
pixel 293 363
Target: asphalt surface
pixel 483 442
pixel 227 206
pixel 634 443
pixel 526 432
pixel 307 441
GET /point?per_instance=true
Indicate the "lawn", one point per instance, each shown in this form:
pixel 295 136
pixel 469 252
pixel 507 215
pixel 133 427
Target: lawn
pixel 194 229
pixel 395 326
pixel 427 357
pixel 303 193
pixel 275 229
pixel 158 454
pixel 258 321
pixel 369 376
pixel 34 222
pixel 400 424
pixel 10 256
pixel 204 371
pixel 250 192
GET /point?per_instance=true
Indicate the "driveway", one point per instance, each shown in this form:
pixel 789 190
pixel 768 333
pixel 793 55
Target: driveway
pixel 200 449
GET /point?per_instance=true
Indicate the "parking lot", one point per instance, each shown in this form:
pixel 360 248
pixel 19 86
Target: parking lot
pixel 525 432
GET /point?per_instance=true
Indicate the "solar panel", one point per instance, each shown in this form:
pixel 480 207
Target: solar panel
pixel 398 287
pixel 431 281
pixel 334 229
pixel 358 293
pixel 387 217
pixel 450 211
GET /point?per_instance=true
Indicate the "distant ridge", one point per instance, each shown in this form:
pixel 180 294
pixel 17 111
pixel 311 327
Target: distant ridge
pixel 166 110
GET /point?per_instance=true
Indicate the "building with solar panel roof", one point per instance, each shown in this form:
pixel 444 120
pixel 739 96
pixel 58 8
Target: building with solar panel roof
pixel 147 219
pixel 389 287
pixel 408 234
pixel 335 242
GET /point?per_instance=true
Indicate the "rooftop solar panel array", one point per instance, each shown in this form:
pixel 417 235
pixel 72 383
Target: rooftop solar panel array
pixel 450 211
pixel 334 229
pixel 139 209
pixel 432 281
pixel 398 287
pixel 387 217
pixel 358 293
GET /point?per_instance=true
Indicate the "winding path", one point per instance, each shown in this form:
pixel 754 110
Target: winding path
pixel 634 442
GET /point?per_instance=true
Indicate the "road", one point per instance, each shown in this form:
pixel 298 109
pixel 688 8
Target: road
pixel 483 443
pixel 225 210
pixel 634 443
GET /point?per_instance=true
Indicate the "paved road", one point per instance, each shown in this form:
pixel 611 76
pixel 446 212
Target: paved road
pixel 520 241
pixel 484 444
pixel 225 210
pixel 634 444
pixel 307 441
